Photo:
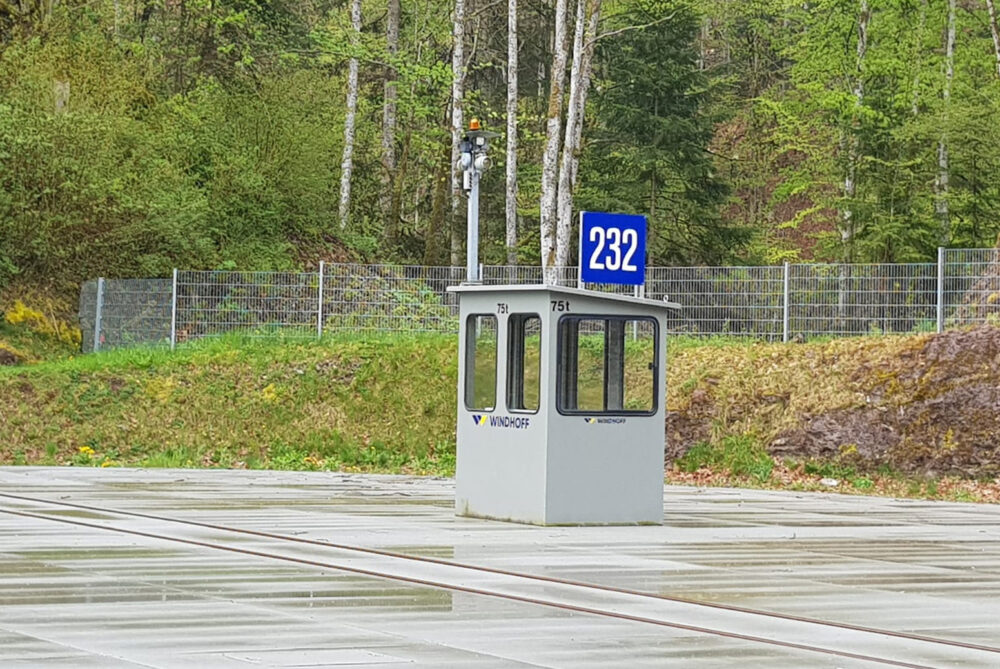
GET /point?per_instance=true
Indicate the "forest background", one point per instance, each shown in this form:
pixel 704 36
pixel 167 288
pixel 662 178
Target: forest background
pixel 141 135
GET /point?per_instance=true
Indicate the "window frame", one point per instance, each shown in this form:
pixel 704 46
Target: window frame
pixel 561 369
pixel 511 319
pixel 470 370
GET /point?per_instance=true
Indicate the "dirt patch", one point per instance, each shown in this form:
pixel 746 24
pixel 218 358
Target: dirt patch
pixel 934 410
pixel 927 405
pixel 690 426
pixel 868 433
pixel 8 357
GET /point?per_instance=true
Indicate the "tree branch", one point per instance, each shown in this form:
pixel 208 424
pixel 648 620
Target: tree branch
pixel 486 7
pixel 722 155
pixel 613 33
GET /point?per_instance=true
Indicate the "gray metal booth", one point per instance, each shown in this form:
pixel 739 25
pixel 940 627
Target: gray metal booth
pixel 561 405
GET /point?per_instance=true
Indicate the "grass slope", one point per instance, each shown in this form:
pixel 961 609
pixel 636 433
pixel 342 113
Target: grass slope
pixel 372 404
pixel 927 404
pixel 857 410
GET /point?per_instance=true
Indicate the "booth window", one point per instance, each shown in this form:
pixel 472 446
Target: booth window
pixel 524 359
pixel 607 365
pixel 481 362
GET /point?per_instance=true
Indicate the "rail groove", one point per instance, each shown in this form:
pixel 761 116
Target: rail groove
pixel 485 591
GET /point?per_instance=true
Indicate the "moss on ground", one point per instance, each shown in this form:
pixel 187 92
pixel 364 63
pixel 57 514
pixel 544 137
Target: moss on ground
pixel 925 404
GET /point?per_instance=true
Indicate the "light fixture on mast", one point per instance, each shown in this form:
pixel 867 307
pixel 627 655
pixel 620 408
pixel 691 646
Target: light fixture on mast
pixel 474 162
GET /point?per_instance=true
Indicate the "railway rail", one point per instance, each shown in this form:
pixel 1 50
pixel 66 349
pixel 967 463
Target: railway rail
pixel 898 648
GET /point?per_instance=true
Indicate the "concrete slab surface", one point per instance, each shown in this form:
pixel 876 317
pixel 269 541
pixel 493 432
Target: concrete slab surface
pixel 85 582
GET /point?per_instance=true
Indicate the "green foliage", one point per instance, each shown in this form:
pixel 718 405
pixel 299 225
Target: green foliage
pixel 830 469
pixel 739 455
pixel 210 134
pixel 878 118
pixel 127 181
pixel 647 143
pixel 862 483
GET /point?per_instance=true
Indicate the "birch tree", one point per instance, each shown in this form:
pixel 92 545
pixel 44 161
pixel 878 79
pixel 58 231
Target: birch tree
pixel 389 198
pixel 944 175
pixel 457 127
pixel 511 195
pixel 584 36
pixel 550 156
pixel 347 164
pixel 918 56
pixel 991 9
pixel 850 185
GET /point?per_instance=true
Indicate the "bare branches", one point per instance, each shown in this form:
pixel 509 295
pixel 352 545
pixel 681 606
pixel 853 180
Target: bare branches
pixel 619 31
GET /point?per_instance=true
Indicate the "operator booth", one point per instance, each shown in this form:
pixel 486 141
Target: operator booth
pixel 561 405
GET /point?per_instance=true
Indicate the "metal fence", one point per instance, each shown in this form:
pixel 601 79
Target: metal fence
pixel 775 303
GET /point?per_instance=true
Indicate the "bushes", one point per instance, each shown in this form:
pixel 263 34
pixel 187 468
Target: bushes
pixel 41 324
pixel 105 173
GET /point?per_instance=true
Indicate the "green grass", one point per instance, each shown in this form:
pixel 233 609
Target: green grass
pixel 387 403
pixel 738 455
pixel 348 402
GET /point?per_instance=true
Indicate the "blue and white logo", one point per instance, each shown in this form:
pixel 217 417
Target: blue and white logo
pixel 612 248
pixel 515 422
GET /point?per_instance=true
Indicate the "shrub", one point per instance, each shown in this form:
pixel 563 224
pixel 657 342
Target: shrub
pixel 39 323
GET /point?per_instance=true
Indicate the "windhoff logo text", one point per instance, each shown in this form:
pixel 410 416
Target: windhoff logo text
pixel 514 422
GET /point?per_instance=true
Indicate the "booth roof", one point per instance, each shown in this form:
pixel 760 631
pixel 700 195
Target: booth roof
pixel 562 290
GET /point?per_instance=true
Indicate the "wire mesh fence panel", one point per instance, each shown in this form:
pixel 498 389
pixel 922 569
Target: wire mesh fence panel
pixel 971 286
pixel 87 315
pixel 254 304
pixel 742 301
pixel 738 301
pixel 527 274
pixel 496 275
pixel 850 300
pixel 390 298
pixel 135 312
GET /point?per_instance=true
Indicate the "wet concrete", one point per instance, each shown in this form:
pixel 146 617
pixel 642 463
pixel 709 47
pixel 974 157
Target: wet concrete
pixel 83 597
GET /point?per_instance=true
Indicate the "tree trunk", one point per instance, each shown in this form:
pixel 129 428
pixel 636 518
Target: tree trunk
pixel 590 41
pixel 918 56
pixel 944 174
pixel 550 156
pixel 457 129
pixel 587 16
pixel 993 31
pixel 706 26
pixel 511 203
pixel 434 249
pixel 390 200
pixel 347 165
pixel 850 185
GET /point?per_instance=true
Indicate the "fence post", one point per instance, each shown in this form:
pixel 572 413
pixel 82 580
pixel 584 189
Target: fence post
pixel 784 304
pixel 99 307
pixel 173 311
pixel 319 310
pixel 940 290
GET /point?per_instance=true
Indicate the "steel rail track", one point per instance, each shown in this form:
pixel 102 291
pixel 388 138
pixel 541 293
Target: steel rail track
pixel 474 591
pixel 504 572
pixel 486 592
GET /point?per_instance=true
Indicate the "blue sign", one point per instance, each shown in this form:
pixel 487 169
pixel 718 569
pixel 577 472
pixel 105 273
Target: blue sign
pixel 612 248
